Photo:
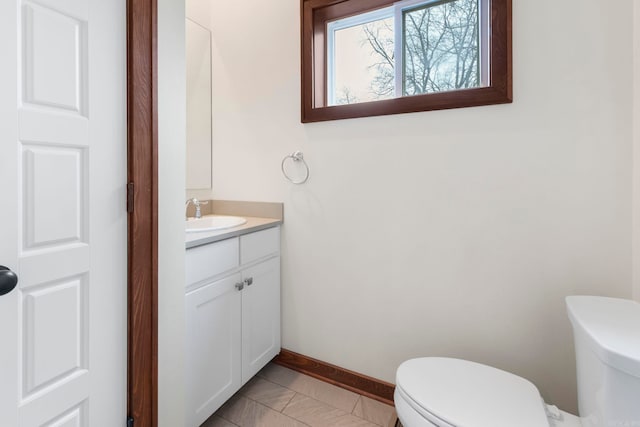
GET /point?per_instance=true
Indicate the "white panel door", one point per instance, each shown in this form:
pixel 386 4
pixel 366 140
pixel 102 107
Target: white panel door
pixel 62 216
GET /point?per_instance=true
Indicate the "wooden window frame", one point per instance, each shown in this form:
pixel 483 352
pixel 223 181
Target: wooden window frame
pixel 316 13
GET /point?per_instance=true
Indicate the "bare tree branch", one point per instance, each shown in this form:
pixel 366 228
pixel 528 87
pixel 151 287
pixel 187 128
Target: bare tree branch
pixel 441 49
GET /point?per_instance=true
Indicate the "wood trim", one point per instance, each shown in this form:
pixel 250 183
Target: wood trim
pixel 353 381
pixel 330 10
pixel 142 104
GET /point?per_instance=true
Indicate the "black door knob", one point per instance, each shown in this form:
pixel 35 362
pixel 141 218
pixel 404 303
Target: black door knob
pixel 8 280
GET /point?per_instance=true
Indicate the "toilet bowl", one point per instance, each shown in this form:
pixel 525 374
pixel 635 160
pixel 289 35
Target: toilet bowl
pixel 446 392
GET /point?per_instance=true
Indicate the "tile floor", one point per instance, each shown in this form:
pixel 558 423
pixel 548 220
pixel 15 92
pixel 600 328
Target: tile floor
pixel 280 397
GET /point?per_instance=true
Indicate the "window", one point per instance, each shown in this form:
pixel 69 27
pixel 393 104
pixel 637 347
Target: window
pixel 372 57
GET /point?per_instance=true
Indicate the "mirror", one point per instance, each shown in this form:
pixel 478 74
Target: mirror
pixel 198 52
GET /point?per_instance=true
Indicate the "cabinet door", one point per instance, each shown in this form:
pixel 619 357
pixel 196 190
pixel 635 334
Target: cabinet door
pixel 213 347
pixel 260 316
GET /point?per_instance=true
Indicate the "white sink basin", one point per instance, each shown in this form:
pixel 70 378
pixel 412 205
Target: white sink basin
pixel 213 222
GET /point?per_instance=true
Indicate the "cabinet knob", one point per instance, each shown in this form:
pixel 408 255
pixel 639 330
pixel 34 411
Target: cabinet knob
pixel 248 281
pixel 240 286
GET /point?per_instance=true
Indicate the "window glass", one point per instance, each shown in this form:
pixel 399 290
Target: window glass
pixel 362 66
pixel 434 48
pixel 441 47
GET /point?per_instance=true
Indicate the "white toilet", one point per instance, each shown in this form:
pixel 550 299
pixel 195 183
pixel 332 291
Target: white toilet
pixel 445 392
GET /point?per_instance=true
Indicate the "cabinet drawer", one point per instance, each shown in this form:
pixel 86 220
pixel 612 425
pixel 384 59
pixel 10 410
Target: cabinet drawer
pixel 210 260
pixel 256 245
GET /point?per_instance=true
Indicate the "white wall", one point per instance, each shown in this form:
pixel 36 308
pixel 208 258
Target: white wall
pixel 453 233
pixel 171 163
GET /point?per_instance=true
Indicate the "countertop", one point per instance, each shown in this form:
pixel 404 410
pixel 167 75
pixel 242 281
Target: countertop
pixel 253 224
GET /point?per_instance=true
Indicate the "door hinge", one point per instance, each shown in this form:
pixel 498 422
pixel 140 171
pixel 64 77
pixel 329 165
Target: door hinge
pixel 130 195
pixel 129 421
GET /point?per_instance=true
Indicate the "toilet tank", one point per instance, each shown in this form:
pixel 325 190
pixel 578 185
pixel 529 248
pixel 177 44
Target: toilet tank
pixel 607 340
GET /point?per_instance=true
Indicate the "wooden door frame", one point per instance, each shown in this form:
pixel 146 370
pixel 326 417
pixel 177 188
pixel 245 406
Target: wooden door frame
pixel 142 135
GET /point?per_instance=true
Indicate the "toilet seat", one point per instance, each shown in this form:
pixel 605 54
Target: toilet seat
pixel 457 393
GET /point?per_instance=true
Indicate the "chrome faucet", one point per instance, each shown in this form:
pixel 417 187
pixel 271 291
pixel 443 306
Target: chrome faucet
pixel 197 203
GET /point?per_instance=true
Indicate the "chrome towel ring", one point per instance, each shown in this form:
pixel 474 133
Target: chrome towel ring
pixel 296 157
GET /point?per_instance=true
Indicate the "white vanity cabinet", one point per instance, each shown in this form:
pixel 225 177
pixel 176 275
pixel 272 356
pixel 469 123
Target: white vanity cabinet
pixel 260 317
pixel 233 317
pixel 213 358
